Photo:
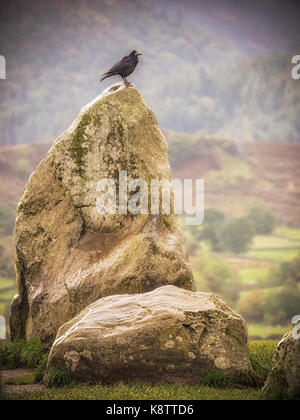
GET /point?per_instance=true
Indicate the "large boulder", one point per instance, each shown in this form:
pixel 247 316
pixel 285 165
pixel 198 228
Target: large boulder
pixel 68 253
pixel 284 378
pixel 167 335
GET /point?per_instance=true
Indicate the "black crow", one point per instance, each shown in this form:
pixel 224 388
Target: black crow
pixel 124 67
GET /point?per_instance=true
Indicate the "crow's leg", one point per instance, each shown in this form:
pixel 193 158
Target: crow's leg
pixel 126 81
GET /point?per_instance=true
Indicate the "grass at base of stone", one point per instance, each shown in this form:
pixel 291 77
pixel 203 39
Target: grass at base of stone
pixel 137 392
pixel 261 356
pixel 213 386
pixel 221 380
pixel 21 353
pixel 55 378
pixel 41 369
pixel 28 379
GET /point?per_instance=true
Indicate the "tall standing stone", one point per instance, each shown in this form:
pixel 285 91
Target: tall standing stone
pixel 68 255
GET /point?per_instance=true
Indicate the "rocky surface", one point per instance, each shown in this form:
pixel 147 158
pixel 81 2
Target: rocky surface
pixel 68 255
pixel 284 378
pixel 167 335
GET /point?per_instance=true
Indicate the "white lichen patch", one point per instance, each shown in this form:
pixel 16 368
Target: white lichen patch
pixel 191 355
pixel 221 363
pixel 72 359
pixel 170 344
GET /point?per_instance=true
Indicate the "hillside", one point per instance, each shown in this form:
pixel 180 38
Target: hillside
pixel 16 165
pixel 235 174
pixel 252 27
pixel 204 69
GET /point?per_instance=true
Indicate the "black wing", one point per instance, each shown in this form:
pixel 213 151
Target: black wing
pixel 124 63
pixel 120 65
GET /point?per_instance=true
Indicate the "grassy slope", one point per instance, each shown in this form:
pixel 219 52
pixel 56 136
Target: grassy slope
pixel 237 174
pixel 251 276
pixel 287 232
pixel 272 241
pixel 280 255
pixel 274 250
pixel 253 267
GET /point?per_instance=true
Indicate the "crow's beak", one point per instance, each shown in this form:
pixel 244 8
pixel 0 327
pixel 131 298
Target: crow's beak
pixel 137 54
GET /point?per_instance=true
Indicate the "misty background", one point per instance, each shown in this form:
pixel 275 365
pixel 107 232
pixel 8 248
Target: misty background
pixel 214 67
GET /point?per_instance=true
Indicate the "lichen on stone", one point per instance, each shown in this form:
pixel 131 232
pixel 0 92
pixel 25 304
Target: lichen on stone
pixel 78 148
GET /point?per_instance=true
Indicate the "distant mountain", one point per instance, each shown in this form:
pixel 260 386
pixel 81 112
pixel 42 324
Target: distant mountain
pixel 237 174
pixel 200 72
pixel 252 27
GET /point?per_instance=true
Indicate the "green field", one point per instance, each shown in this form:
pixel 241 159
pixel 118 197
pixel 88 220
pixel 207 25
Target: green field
pixel 6 283
pixel 7 287
pixel 263 289
pixel 273 242
pixel 233 169
pixel 254 271
pixel 265 331
pixel 7 295
pixel 7 292
pixel 253 275
pixel 287 232
pixel 276 255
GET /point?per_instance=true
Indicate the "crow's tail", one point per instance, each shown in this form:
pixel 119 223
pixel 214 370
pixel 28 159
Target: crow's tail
pixel 105 75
